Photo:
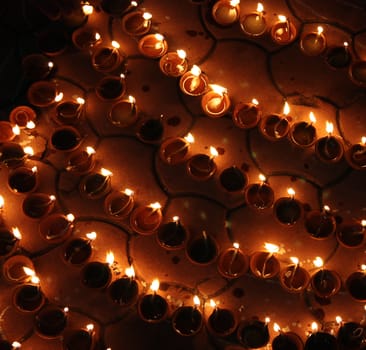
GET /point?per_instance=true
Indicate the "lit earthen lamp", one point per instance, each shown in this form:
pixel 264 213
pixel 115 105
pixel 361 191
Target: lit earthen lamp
pixel 350 335
pixel 253 333
pixel 188 320
pixel 6 131
pixel 69 112
pixel 265 264
pixel 96 185
pixel 356 155
pixel 151 130
pixel 247 115
pixel 23 180
pixel 85 38
pixel 22 116
pixel 232 179
pixel 226 12
pixel 79 250
pixel 136 23
pixel 202 250
pixel 232 262
pixel 259 195
pixel 51 321
pixel 28 297
pixel 79 339
pixel 275 126
pixel 145 220
pixel 356 284
pixel 153 307
pixel 124 291
pixel 38 205
pixel 153 45
pixel 174 64
pixel 202 167
pixel 216 102
pixel 357 72
pixel 44 93
pixel 320 340
pixel 123 113
pixel 96 274
pixel 119 204
pixel 175 150
pixel 313 43
pixel 13 269
pixel 338 57
pixel 194 82
pixel 325 283
pixel 286 340
pixel 320 224
pixel 254 24
pixel 283 32
pixel 222 322
pixel 9 241
pixel 111 88
pixel 81 161
pixel 56 228
pixel 288 210
pixel 172 235
pixel 37 66
pixel 293 277
pixel 329 148
pixel 302 133
pixel 106 59
pixel 12 154
pixel 65 138
pixel 351 233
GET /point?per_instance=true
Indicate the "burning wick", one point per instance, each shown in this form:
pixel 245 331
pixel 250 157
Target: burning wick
pixel 271 248
pixel 155 284
pixel 236 249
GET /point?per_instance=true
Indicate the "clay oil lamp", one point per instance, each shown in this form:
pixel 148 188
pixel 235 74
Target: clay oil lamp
pixel 124 112
pixel 78 250
pixel 253 333
pixel 357 72
pixel 356 284
pixel 329 148
pixel 65 139
pixel 194 82
pixel 51 321
pixel 259 195
pixel 44 93
pixel 276 126
pixel 303 134
pixel 7 131
pixel 96 274
pixel 202 250
pixel 351 234
pixel 293 277
pixel 136 23
pixel 254 24
pixel 153 45
pixel 283 32
pixel 232 179
pixel 350 335
pixel 37 66
pixel 201 167
pixel 221 322
pixel 151 130
pixel 9 240
pixel 226 12
pixel 288 210
pixel 96 185
pixel 216 102
pixel 174 64
pixel 38 205
pixel 356 155
pixel 324 283
pixel 22 115
pixel 338 57
pixel 313 43
pixel 56 228
pixel 79 339
pixel 14 271
pixel 320 224
pixel 188 320
pixel 232 262
pixel 172 235
pixel 69 112
pixel 286 340
pixel 23 180
pixel 145 220
pixel 111 87
pixel 175 150
pixel 106 59
pixel 85 38
pixel 119 204
pixel 124 291
pixel 152 307
pixel 264 264
pixel 12 154
pixel 81 161
pixel 320 340
pixel 247 115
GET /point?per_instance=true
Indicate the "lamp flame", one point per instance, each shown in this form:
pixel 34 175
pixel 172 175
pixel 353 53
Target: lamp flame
pixel 236 245
pixel 272 248
pixel 70 217
pixel 363 140
pixel 267 320
pixel 97 36
pixel 91 235
pixel 314 326
pixel 291 192
pixel 345 44
pixel 16 130
pixel 115 44
pixel 28 150
pixel 234 3
pixel 218 89
pixel 87 9
pixel 134 3
pixel 326 208
pixel 155 205
pixel 16 233
pixel 312 117
pixel 130 272
pixel 50 64
pixel 213 151
pixel 255 101
pixel 295 260
pixel 260 7
pixel 16 345
pixel 276 327
pixel 363 223
pixel 318 262
pixel 2 202
pixel 155 285
pixel 286 108
pixel 28 271
pixel 30 124
pixel 189 138
pixel 89 327
pixel 282 18
pixel 109 258
pixel 146 16
pixel 80 100
pixel 329 127
pixel 262 178
pixel 196 300
pixel 339 319
pixel 34 169
pixel 105 172
pixel 59 97
pixel 90 150
pixel 195 70
pixel 212 303
pixel 128 192
pixel 181 54
pixel 131 99
pixel 175 218
pixel 363 267
pixel 320 30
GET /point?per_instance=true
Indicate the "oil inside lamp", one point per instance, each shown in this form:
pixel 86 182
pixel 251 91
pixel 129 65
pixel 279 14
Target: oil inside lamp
pixel 216 102
pixel 313 43
pixel 288 210
pixel 226 12
pixel 329 148
pixel 194 82
pixel 303 133
pixel 283 31
pixel 265 264
pixel 254 24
